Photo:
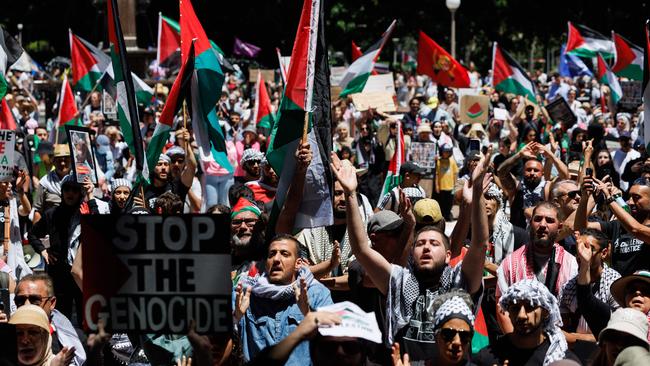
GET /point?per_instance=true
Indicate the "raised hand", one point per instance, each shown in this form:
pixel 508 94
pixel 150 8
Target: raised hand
pixel 335 260
pixel 64 357
pixel 405 208
pixel 482 168
pixel 302 298
pixel 308 327
pixel 397 358
pixel 184 361
pixel 584 250
pixel 529 150
pixel 303 156
pixel 345 173
pixel 242 301
pixel 99 339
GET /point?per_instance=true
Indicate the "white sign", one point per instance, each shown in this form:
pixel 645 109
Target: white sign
pixel 7 142
pixel 380 83
pixel 355 322
pixel 500 114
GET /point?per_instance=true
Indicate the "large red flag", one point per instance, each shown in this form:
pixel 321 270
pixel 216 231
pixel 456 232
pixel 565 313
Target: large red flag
pixel 7 120
pixel 434 61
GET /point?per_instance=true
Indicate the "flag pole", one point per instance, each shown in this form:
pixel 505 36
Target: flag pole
pixel 185 114
pixel 304 128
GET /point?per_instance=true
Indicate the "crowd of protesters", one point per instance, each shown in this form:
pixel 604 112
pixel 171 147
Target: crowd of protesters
pixel 530 247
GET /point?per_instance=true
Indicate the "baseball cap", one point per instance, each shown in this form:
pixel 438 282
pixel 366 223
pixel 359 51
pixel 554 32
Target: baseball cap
pixel 411 167
pixel 385 220
pixel 619 286
pixel 627 320
pixel 427 211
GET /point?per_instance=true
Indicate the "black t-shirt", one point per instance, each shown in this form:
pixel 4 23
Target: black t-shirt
pixel 503 349
pixel 629 254
pixel 151 193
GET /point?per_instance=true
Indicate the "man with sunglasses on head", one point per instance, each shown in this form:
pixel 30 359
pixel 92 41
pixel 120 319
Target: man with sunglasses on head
pixel 536 338
pixel 630 233
pixel 38 289
pixel 566 195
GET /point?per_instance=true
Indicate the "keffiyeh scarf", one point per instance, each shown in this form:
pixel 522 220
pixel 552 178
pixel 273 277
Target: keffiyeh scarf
pixel 263 288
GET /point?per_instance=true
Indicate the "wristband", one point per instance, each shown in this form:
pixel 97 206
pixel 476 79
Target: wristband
pixel 611 199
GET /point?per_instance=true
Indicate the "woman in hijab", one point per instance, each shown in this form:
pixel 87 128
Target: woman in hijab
pixel 33 339
pixel 120 191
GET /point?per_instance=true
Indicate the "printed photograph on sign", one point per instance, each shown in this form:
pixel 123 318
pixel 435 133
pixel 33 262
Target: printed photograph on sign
pixel 83 153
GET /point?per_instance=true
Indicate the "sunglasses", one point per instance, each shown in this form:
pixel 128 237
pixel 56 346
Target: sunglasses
pixel 249 222
pixel 33 299
pixel 449 334
pixel 572 194
pixel 514 308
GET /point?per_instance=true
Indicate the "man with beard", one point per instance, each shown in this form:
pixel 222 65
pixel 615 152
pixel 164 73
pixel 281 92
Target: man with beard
pixel 536 338
pixel 525 194
pixel 630 233
pixel 163 181
pixel 269 306
pixel 246 227
pixel 410 290
pixel 541 258
pixel 62 224
pixel 265 187
pixel 177 165
pixel 48 193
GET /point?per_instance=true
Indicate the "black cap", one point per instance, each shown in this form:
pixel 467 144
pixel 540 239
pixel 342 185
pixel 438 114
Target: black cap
pixel 411 167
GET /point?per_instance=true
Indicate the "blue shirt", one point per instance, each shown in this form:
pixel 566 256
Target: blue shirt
pixel 267 322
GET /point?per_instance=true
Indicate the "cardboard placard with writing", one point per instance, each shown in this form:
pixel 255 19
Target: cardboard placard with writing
pixel 380 83
pixel 382 101
pixel 268 75
pixel 559 111
pixel 474 109
pixel 7 143
pixel 153 274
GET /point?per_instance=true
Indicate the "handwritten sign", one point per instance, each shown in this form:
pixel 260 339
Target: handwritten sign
pixel 7 142
pixel 382 101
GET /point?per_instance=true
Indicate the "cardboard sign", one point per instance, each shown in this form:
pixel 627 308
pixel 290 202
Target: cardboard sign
pixel 559 111
pixel 268 75
pixel 109 108
pixel 7 143
pixel 474 109
pixel 632 95
pixel 82 149
pixel 153 274
pixel 380 83
pixel 424 153
pixel 382 101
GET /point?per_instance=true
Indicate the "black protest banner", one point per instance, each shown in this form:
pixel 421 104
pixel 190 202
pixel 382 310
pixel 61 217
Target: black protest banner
pixel 153 274
pixel 559 111
pixel 632 95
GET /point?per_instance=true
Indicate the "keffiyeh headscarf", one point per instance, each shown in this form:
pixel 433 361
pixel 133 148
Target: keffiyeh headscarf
pixel 534 292
pixel 454 308
pixel 503 237
pixel 263 288
pixel 251 155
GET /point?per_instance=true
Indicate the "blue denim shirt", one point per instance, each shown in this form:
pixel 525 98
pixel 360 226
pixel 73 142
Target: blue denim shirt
pixel 267 322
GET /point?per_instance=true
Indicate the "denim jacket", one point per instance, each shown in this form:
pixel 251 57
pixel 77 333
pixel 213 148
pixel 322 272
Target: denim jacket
pixel 267 322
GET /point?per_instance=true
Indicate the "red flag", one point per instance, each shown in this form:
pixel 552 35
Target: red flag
pixel 169 39
pixel 356 51
pixel 7 120
pixel 434 61
pixel 68 112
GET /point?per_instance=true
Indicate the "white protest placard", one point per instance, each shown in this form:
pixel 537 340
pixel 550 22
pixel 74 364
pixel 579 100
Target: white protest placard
pixel 355 322
pixel 500 114
pixel 381 101
pixel 380 83
pixel 7 142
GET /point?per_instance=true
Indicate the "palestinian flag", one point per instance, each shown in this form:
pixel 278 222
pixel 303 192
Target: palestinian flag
pixel 586 42
pixel 207 80
pixel 68 112
pixel 607 77
pixel 173 26
pixel 10 52
pixel 283 66
pixel 393 178
pixel 181 90
pixel 86 57
pixel 7 120
pixel 434 61
pixel 169 43
pixel 646 84
pixel 629 58
pixel 356 52
pixel 306 95
pixel 88 63
pixel 357 74
pixel 509 77
pixel 262 115
pixel 127 110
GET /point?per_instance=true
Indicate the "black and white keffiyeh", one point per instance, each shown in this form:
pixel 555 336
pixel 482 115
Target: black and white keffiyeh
pixel 454 308
pixel 537 294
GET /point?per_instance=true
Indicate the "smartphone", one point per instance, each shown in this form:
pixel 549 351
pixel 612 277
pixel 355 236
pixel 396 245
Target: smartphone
pixel 474 145
pixel 589 172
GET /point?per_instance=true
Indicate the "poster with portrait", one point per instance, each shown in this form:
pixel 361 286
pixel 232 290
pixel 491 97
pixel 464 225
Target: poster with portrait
pixel 82 151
